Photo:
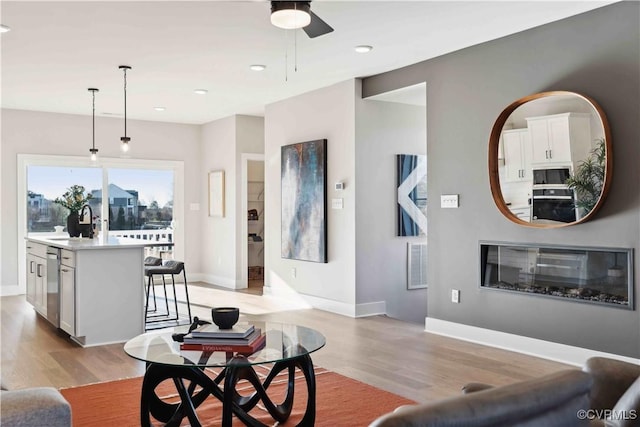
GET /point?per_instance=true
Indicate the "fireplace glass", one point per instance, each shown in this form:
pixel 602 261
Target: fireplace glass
pixel 583 274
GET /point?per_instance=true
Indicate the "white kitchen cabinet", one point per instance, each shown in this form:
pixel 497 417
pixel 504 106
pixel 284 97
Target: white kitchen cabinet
pixel 517 155
pixel 68 292
pixel 101 293
pixel 31 279
pixel 560 138
pixel 37 277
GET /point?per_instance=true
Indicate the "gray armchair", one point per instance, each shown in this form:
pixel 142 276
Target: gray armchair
pixel 550 401
pixel 604 386
pixel 34 407
pixel 616 387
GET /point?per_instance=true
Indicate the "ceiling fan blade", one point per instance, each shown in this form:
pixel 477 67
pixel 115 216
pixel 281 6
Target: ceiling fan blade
pixel 317 27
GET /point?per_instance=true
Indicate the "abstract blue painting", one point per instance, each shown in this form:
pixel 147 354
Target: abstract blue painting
pixel 303 174
pixel 412 194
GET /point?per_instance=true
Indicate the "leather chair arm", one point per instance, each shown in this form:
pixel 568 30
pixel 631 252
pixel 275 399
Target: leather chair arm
pixel 611 379
pixel 473 387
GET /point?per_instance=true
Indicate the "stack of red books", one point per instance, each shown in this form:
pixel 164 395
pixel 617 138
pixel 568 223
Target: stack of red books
pixel 243 338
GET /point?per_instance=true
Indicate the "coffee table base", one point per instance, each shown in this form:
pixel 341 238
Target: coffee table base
pixel 171 414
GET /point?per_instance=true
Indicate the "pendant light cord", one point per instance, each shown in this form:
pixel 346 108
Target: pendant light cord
pixel 295 44
pixel 125 102
pixel 94 119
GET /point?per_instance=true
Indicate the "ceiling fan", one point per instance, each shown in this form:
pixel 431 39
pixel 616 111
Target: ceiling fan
pixel 297 14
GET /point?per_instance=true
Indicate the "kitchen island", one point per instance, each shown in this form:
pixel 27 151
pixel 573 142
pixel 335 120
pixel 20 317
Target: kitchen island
pixel 100 297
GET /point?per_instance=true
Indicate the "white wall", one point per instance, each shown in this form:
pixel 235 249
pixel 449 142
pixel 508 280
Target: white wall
pixel 223 142
pixel 28 132
pixel 383 130
pixel 326 113
pixel 218 234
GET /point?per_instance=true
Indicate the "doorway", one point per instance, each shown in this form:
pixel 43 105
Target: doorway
pixel 253 201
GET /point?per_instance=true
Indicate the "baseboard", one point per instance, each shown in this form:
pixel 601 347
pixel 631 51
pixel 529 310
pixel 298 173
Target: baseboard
pixel 534 347
pixel 337 307
pixel 371 309
pixel 329 305
pixel 10 290
pixel 212 279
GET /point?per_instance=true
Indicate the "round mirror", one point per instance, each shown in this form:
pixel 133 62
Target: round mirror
pixel 550 159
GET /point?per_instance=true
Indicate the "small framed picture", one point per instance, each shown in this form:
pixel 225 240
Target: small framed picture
pixel 216 193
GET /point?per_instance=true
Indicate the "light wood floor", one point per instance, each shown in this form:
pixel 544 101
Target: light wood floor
pixel 392 355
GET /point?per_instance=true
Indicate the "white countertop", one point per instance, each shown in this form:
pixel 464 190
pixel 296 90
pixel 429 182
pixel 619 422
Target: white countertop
pixel 78 243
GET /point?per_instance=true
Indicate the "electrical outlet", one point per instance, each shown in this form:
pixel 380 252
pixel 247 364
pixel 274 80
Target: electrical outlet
pixel 293 272
pixel 449 201
pixel 455 296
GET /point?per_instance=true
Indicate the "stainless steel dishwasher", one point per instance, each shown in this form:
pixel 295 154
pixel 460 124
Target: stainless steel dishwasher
pixel 53 286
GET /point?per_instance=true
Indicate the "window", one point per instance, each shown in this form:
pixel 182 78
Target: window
pixel 45 184
pixel 141 199
pixel 42 178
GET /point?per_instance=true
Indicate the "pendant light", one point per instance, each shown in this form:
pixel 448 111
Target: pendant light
pixel 93 150
pixel 125 139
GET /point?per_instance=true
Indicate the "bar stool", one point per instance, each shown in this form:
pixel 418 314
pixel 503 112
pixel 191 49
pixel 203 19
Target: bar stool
pixel 151 261
pixel 169 267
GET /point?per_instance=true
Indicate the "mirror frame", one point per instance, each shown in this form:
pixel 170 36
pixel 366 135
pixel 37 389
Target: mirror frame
pixel 494 142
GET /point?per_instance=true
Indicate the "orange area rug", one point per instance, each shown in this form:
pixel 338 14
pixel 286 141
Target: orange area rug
pixel 340 402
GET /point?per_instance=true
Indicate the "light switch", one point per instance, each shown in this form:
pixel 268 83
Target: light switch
pixel 449 201
pixel 337 203
pixel 194 206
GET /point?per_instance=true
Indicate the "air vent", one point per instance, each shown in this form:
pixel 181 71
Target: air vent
pixel 416 265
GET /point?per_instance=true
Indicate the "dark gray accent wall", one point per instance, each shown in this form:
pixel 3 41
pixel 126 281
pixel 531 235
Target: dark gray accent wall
pixel 597 54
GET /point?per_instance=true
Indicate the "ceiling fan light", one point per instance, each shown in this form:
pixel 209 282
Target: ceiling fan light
pixel 290 14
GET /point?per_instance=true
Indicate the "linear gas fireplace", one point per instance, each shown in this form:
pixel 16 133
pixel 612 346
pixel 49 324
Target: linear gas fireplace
pixel 583 274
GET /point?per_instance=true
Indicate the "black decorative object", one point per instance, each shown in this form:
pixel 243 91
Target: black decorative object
pixel 225 317
pixel 72 225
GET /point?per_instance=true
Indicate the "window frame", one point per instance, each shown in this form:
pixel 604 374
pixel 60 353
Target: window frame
pixel 26 160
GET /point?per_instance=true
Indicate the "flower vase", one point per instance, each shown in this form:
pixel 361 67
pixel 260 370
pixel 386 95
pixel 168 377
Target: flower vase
pixel 73 224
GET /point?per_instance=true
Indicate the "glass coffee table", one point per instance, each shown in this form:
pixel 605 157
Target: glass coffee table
pixel 287 347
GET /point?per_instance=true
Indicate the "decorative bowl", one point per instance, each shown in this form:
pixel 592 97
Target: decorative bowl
pixel 225 317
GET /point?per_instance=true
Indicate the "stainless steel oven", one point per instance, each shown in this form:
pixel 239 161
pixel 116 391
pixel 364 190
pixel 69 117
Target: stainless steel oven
pixel 551 176
pixel 553 204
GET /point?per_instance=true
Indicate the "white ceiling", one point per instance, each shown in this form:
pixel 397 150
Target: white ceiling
pixel 56 50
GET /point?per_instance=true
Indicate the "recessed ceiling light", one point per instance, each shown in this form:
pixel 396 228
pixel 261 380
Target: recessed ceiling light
pixel 363 48
pixel 4 29
pixel 159 108
pixel 201 91
pixel 257 67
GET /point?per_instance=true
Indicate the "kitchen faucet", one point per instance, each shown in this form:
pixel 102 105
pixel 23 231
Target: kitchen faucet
pixel 90 221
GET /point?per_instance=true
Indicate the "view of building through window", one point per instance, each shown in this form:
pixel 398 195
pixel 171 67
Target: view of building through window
pixel 139 199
